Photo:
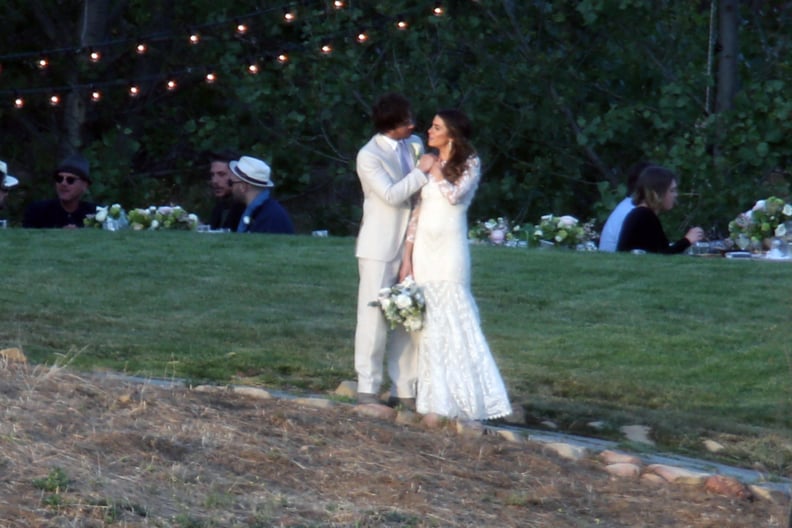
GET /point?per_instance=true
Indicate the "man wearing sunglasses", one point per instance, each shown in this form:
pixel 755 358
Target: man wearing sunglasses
pixel 72 180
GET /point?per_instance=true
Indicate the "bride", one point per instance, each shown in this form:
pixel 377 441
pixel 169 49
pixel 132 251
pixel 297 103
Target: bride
pixel 457 375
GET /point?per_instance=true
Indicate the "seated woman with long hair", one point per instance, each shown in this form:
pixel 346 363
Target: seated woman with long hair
pixel 655 192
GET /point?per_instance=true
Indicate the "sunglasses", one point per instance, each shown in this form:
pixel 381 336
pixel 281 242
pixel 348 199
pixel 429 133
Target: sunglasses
pixel 68 179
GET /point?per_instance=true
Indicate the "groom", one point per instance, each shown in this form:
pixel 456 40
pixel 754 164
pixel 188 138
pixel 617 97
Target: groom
pixel 386 166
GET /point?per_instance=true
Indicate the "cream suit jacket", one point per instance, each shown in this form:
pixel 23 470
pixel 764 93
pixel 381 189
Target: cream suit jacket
pixel 386 197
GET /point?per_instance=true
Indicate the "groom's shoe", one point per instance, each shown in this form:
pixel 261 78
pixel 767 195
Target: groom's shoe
pixel 365 398
pixel 405 403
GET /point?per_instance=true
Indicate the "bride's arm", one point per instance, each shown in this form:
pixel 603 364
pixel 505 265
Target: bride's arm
pixel 455 192
pixel 405 270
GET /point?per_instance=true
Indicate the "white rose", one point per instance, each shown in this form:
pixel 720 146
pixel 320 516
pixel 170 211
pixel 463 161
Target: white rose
pixel 567 221
pixel 780 230
pixel 787 210
pixel 101 214
pixel 403 301
pixel 497 236
pixel 547 217
pixel 154 224
pixel 759 206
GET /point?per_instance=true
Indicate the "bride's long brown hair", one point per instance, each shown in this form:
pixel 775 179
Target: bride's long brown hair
pixel 459 130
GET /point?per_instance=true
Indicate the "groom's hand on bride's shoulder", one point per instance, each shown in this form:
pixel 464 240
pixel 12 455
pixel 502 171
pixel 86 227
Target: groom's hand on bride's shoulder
pixel 426 163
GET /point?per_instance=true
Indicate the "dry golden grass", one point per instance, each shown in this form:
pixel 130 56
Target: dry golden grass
pixel 80 450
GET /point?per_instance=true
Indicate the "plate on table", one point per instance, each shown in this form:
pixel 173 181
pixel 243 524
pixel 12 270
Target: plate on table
pixel 738 255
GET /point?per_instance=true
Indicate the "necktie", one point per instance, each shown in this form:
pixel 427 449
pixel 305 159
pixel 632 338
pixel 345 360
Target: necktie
pixel 404 157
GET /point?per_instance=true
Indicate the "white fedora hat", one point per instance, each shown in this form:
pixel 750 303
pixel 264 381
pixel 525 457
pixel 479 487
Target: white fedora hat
pixel 8 180
pixel 252 170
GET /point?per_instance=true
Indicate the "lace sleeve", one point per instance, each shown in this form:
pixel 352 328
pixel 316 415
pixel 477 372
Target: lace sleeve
pixel 467 183
pixel 413 225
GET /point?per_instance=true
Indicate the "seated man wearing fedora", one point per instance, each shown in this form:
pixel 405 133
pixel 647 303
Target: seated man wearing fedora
pixel 6 183
pixel 251 184
pixel 72 180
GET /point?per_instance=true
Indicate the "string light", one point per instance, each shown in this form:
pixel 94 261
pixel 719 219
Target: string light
pixel 289 16
pixel 141 48
pixel 362 37
pixel 194 38
pixel 326 49
pixel 19 102
pixel 54 100
pixel 42 63
pixel 96 96
pixel 402 24
pixel 95 56
pixel 171 85
pixel 211 77
pixel 253 69
pixel 134 90
pixel 283 58
pixel 438 10
pixel 241 29
pixel 339 4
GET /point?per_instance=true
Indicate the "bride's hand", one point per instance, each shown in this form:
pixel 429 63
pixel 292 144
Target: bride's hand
pixel 426 162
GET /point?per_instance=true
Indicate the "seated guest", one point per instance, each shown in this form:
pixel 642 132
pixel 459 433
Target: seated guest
pixel 6 183
pixel 68 210
pixel 655 192
pixel 610 231
pixel 227 212
pixel 251 184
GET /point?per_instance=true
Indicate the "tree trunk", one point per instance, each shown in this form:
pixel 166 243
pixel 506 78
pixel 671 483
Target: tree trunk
pixel 729 20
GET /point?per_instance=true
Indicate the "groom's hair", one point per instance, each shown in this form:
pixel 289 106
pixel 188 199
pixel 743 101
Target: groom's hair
pixel 391 111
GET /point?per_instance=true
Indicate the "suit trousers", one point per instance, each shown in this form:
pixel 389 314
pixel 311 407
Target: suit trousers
pixel 373 340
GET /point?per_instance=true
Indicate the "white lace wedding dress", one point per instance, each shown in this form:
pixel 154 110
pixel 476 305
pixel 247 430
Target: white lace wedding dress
pixel 457 375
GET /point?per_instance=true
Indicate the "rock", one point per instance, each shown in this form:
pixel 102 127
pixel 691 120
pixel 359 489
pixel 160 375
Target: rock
pixel 470 428
pixel 433 421
pixel 763 493
pixel 652 478
pixel 614 457
pixel 406 417
pixel 319 403
pixel 511 436
pixel 637 433
pixel 347 389
pixel 376 410
pixel 728 486
pixel 568 451
pixel 712 446
pixel 13 355
pixel 253 392
pixel 209 388
pixel 678 475
pixel 624 469
pixel 549 424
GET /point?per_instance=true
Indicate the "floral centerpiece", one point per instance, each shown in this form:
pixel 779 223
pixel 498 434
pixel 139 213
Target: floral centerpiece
pixel 402 304
pixel 162 217
pixel 765 220
pixel 111 218
pixel 564 231
pixel 494 231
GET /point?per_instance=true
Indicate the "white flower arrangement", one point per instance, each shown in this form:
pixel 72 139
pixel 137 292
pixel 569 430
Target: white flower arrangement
pixel 495 231
pixel 766 219
pixel 162 217
pixel 111 218
pixel 402 304
pixel 564 231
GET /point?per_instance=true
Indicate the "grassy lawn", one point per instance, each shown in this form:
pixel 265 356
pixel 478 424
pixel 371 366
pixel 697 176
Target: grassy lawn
pixel 691 346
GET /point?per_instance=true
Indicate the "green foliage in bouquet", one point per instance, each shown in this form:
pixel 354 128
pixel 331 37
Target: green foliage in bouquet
pixel 764 220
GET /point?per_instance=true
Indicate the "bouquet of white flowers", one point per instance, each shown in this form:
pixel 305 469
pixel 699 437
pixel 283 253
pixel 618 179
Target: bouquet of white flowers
pixel 110 218
pixel 766 219
pixel 564 230
pixel 494 231
pixel 162 217
pixel 402 304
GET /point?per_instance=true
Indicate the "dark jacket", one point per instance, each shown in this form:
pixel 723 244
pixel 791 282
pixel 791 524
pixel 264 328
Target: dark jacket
pixel 50 214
